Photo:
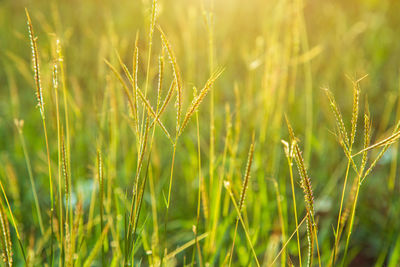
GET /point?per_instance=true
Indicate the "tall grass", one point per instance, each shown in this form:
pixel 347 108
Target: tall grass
pixel 158 140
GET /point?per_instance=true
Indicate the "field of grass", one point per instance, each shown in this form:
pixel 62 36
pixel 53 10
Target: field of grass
pixel 199 133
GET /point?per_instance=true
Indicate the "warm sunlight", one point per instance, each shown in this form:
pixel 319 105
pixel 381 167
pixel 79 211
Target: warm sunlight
pixel 199 133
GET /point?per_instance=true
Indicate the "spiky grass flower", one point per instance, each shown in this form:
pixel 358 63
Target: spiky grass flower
pixel 36 65
pixel 177 76
pixel 101 197
pixel 65 169
pixel 141 96
pixel 198 99
pixel 246 180
pixel 247 174
pixel 305 183
pixel 386 143
pixel 338 117
pixel 39 94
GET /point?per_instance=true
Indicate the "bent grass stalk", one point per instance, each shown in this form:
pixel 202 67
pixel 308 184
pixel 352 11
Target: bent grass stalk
pixel 287 242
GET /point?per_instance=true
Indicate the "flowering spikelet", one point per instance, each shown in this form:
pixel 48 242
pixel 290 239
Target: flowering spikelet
pixel 338 117
pixel 6 246
pixel 55 76
pixel 197 100
pixel 354 117
pixel 153 20
pixel 134 82
pixel 305 180
pixel 177 76
pixel 386 143
pixel 140 94
pixel 367 138
pixel 160 79
pixel 65 167
pixel 125 87
pixel 305 183
pixel 35 61
pixel 100 175
pixel 247 174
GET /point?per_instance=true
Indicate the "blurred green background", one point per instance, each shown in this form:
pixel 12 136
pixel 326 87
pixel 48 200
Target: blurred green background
pixel 279 54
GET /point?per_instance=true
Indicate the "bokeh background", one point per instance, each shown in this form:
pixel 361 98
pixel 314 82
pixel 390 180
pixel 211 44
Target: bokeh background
pixel 280 55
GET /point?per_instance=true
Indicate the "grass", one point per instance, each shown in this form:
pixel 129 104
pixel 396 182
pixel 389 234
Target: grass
pixel 167 133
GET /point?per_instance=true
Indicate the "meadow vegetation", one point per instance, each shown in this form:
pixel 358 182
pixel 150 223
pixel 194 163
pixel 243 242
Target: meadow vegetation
pixel 199 133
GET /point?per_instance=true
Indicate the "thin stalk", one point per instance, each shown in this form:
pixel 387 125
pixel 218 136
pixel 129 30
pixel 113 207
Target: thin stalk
pixel 199 192
pixel 151 31
pixel 246 180
pixel 101 199
pixel 351 222
pixel 283 258
pixel 51 189
pixel 294 206
pixel 65 99
pixel 30 173
pixel 13 221
pixel 287 242
pixel 227 186
pixel 171 175
pixel 340 214
pixel 55 87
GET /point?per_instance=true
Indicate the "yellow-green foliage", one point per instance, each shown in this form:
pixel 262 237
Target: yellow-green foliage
pixel 163 123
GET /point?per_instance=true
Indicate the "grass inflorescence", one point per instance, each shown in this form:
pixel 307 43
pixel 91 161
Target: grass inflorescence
pixel 158 140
